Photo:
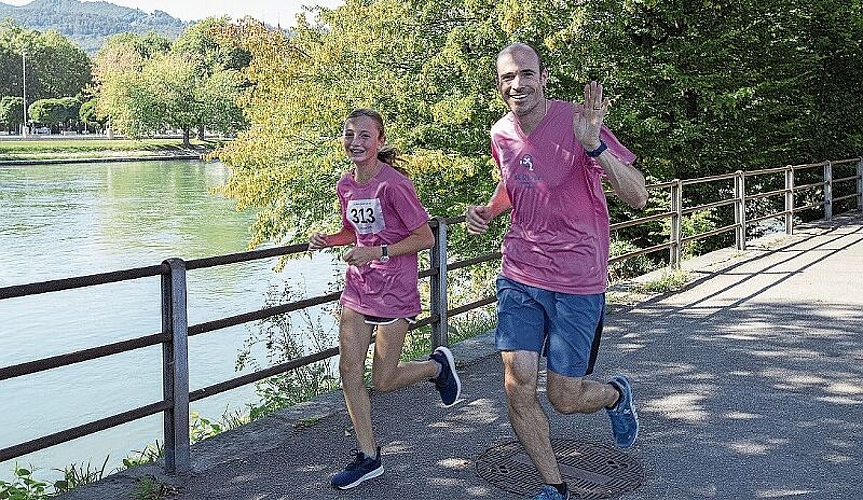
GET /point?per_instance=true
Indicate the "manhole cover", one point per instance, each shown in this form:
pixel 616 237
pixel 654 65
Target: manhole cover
pixel 591 470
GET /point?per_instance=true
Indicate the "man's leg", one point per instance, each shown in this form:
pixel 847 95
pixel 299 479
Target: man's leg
pixel 574 338
pixel 525 413
pixel 578 395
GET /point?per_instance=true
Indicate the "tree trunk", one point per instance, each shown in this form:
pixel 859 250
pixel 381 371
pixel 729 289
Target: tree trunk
pixel 200 132
pixel 186 143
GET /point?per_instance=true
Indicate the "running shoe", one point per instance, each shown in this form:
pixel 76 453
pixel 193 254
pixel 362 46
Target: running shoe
pixel 551 493
pixel 447 383
pixel 361 468
pixel 624 418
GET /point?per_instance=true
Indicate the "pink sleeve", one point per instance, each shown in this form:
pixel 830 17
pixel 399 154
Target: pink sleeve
pixel 617 149
pixel 343 209
pixel 494 154
pixel 407 205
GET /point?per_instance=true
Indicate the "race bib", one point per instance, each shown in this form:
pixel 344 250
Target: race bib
pixel 366 216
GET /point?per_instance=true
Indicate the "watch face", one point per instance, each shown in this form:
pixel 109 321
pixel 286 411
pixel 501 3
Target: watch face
pixel 385 258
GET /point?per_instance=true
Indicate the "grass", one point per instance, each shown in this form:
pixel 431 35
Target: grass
pixel 480 321
pixel 26 149
pixel 149 488
pixel 631 292
pixel 670 281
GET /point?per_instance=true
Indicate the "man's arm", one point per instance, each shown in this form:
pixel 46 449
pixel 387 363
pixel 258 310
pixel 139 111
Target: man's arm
pixel 479 216
pixel 626 180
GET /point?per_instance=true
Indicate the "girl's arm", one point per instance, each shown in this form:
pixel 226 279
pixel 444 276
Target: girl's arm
pixel 344 237
pixel 420 238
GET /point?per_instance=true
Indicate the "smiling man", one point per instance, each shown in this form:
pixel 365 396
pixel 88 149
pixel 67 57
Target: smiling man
pixel 553 156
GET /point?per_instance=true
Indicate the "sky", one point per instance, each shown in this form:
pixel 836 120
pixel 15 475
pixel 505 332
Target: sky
pixel 270 11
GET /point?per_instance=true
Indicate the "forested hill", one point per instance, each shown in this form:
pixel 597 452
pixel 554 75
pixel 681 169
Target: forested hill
pixel 90 23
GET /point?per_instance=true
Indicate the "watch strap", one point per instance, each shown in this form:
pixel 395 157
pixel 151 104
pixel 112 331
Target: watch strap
pixel 598 151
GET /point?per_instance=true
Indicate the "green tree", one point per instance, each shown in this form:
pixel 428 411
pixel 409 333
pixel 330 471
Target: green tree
pixel 56 67
pixel 170 82
pixel 147 86
pixel 12 112
pixel 434 89
pixel 699 88
pixel 117 73
pixel 88 115
pixel 62 111
pixel 218 77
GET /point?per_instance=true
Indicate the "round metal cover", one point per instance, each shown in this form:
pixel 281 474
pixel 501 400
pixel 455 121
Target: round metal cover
pixel 591 470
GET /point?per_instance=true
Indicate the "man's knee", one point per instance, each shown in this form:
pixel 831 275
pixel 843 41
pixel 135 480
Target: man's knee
pixel 520 393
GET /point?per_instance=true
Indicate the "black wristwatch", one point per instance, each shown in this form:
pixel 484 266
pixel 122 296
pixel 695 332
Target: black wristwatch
pixel 598 151
pixel 385 254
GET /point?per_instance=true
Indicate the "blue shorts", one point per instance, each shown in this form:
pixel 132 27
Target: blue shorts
pixel 563 327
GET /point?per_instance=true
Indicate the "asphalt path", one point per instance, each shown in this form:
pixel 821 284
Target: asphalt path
pixel 749 384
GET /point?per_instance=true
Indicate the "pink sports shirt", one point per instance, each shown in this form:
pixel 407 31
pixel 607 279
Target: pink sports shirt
pixel 384 210
pixel 559 238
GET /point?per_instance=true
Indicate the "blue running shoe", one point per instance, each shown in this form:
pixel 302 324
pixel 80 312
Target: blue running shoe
pixel 362 468
pixel 447 383
pixel 551 493
pixel 624 418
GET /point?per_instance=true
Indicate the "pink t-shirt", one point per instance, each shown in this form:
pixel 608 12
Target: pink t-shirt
pixel 384 210
pixel 558 239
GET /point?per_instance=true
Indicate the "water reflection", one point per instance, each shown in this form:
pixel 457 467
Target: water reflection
pixel 59 221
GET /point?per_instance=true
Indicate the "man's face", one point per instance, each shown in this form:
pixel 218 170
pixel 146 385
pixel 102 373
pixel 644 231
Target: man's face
pixel 520 81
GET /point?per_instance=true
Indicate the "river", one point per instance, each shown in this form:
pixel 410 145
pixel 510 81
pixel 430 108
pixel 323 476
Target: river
pixel 59 221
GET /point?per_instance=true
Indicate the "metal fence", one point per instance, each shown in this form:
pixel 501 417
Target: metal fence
pixel 833 179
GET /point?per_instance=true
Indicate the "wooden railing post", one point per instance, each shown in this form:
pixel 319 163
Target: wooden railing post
pixel 438 287
pixel 860 183
pixel 175 366
pixel 789 199
pixel 828 191
pixel 740 210
pixel 676 221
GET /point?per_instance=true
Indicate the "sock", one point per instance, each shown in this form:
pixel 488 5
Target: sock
pixel 561 488
pixel 439 370
pixel 616 401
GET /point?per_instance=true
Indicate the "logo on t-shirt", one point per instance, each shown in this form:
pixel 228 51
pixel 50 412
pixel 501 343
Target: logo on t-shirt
pixel 367 216
pixel 527 162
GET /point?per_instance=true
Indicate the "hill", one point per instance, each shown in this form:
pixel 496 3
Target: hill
pixel 90 23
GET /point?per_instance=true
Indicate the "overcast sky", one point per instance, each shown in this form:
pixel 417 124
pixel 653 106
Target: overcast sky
pixel 269 11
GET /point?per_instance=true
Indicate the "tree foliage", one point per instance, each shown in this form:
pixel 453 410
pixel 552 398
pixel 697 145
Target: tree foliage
pixel 698 88
pixel 55 111
pixel 147 84
pixel 11 112
pixel 56 67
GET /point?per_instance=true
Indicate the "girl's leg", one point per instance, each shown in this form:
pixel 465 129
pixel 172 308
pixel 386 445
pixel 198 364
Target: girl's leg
pixel 388 373
pixel 354 338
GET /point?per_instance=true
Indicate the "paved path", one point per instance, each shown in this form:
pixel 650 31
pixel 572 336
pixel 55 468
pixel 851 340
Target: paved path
pixel 749 384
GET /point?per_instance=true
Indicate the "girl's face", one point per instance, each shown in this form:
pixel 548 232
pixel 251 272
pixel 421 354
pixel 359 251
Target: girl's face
pixel 362 139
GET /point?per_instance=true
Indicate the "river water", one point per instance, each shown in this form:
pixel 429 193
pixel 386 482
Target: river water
pixel 60 221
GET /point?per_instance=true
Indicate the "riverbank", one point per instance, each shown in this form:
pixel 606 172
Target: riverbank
pixel 67 150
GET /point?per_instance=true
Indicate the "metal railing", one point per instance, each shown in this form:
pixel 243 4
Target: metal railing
pixel 176 331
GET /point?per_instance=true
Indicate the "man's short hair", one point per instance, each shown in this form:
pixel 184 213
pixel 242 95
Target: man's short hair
pixel 510 47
